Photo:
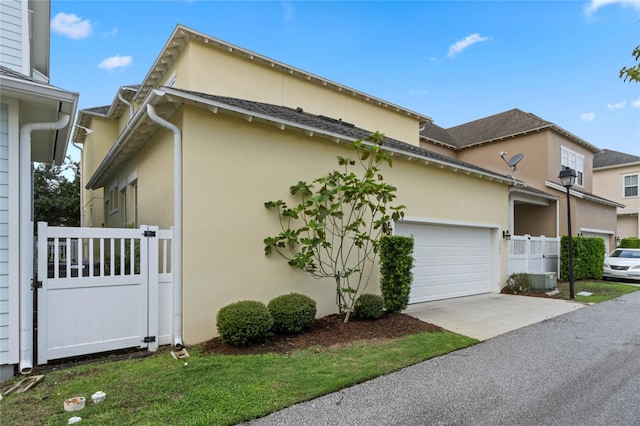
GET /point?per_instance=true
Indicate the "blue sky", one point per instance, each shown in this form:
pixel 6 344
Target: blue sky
pixel 452 61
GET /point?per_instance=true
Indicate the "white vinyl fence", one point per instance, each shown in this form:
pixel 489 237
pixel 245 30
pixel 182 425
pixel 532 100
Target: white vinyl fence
pixel 102 289
pixel 534 254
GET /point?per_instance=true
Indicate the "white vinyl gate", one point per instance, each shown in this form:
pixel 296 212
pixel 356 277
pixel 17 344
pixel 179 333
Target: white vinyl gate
pixel 101 289
pixel 533 254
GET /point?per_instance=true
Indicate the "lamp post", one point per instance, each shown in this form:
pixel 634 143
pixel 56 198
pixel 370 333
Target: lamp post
pixel 568 178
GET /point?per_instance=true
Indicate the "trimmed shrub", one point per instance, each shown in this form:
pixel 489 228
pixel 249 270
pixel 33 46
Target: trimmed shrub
pixel 518 283
pixel 244 323
pixel 369 306
pixel 630 242
pixel 292 313
pixel 588 257
pixel 396 261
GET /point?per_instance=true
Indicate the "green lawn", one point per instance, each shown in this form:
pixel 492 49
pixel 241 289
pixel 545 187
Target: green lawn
pixel 213 389
pixel 602 290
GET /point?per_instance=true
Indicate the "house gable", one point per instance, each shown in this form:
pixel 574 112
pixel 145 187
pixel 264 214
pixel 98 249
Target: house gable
pixel 202 63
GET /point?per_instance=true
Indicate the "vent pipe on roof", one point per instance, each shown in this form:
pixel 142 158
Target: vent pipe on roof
pixel 26 238
pixel 176 263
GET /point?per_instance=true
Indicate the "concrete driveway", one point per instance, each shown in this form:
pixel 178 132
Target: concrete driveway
pixel 488 315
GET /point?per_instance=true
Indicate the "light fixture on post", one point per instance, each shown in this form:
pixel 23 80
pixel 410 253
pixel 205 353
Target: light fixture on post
pixel 568 178
pixel 618 239
pixel 506 235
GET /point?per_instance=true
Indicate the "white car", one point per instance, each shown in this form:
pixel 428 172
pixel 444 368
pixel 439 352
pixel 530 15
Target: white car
pixel 622 263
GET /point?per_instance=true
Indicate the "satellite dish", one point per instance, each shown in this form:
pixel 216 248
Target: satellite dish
pixel 513 161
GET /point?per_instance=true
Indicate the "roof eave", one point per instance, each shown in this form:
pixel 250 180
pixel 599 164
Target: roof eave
pixel 182 34
pixel 617 166
pixel 175 96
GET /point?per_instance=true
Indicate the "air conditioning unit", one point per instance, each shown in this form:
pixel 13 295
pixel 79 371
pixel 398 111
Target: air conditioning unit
pixel 543 282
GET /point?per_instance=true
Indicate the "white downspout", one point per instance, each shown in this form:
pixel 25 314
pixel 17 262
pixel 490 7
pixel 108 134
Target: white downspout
pixel 177 220
pixel 26 239
pixel 126 102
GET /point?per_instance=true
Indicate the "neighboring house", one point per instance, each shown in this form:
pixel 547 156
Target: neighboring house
pixel 616 176
pixel 214 131
pixel 539 208
pixel 35 122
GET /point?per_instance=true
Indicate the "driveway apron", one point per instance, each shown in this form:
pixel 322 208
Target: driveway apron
pixel 580 368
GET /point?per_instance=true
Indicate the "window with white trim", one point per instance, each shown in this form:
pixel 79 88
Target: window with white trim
pixel 574 161
pixel 631 186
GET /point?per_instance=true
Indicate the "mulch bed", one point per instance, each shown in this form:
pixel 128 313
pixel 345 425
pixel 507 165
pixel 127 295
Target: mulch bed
pixel 330 331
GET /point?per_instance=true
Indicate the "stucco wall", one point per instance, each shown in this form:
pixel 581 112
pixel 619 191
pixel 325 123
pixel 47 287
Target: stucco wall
pixel 532 168
pixel 94 149
pixel 232 167
pixel 209 70
pixel 535 220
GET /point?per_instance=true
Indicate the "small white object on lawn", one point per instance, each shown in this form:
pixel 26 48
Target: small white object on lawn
pixel 584 293
pixel 74 420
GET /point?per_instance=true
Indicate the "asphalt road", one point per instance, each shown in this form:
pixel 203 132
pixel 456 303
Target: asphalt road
pixel 581 368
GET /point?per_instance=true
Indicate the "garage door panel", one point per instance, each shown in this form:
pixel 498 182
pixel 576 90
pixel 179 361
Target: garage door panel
pixel 449 261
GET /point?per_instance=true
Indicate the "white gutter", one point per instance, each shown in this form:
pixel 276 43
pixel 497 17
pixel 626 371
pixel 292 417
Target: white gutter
pixel 127 103
pixel 26 238
pixel 131 125
pixel 177 220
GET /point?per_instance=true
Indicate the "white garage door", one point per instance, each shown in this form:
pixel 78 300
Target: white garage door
pixel 449 261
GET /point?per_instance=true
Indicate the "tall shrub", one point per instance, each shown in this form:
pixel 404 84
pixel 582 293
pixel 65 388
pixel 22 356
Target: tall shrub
pixel 396 261
pixel 630 242
pixel 588 257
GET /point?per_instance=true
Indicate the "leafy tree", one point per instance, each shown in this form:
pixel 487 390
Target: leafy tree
pixel 56 193
pixel 632 73
pixel 334 231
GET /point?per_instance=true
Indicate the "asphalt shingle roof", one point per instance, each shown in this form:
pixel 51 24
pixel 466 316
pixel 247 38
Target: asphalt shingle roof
pixel 332 125
pixel 613 158
pixel 496 126
pixel 437 134
pixel 8 72
pixel 102 110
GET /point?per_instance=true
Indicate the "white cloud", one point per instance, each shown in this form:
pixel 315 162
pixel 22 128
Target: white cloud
pixel 617 105
pixel 112 33
pixel 588 117
pixel 71 25
pixel 636 104
pixel 593 5
pixel 460 45
pixel 115 62
pixel 289 11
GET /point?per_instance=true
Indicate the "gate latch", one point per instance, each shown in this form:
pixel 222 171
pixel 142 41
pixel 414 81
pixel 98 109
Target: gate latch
pixel 149 339
pixel 149 233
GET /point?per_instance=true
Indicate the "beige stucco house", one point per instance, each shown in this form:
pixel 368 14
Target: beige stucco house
pixel 214 131
pixel 539 208
pixel 35 124
pixel 616 176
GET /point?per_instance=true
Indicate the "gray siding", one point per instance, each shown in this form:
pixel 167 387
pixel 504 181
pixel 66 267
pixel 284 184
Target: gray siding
pixel 11 48
pixel 4 234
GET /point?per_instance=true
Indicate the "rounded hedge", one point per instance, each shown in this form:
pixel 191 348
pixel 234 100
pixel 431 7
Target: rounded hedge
pixel 244 323
pixel 369 306
pixel 292 313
